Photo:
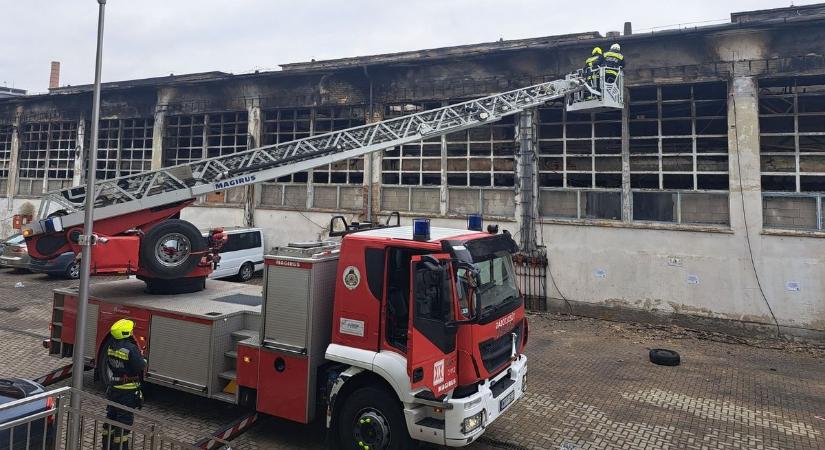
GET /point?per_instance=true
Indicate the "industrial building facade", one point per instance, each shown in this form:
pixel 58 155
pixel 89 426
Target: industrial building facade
pixel 701 200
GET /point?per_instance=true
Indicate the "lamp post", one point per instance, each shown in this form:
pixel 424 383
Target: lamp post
pixel 86 242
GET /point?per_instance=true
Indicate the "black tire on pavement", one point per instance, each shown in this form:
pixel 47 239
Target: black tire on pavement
pixel 171 268
pixel 372 402
pixel 246 271
pixel 664 357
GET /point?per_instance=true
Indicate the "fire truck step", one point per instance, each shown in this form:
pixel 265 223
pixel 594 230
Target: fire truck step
pixel 241 335
pixel 231 354
pixel 228 375
pixel 224 397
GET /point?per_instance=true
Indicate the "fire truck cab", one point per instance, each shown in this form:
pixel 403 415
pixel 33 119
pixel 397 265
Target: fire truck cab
pixel 391 335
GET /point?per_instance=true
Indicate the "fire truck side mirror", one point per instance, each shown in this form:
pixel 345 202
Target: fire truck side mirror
pixel 466 279
pixel 338 226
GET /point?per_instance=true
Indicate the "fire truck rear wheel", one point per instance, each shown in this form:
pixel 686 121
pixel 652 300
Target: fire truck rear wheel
pixel 171 249
pixel 372 418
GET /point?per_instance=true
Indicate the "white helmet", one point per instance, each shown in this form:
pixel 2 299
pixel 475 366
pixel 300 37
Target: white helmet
pixel 616 48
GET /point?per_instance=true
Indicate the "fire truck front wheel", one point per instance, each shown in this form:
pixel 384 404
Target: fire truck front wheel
pixel 171 249
pixel 372 418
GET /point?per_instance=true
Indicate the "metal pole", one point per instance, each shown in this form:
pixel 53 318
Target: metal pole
pixel 86 242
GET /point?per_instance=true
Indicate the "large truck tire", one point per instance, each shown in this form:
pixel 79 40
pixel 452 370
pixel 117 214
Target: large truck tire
pixel 372 418
pixel 160 286
pixel 171 249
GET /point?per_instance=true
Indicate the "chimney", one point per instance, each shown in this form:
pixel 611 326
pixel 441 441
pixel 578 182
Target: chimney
pixel 54 76
pixel 628 29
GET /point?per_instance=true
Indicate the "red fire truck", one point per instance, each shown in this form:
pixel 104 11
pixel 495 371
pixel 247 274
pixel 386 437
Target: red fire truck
pixel 393 334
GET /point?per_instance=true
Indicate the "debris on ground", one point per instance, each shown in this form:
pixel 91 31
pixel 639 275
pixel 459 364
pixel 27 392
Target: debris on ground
pixel 642 333
pixel 19 284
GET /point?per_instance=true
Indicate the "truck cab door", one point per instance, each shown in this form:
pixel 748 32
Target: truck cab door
pixel 432 355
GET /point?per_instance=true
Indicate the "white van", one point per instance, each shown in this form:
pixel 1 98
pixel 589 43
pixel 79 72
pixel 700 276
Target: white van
pixel 242 255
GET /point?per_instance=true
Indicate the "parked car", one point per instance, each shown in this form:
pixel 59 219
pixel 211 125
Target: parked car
pixel 15 253
pixel 242 255
pixel 65 265
pixel 36 434
pixel 6 240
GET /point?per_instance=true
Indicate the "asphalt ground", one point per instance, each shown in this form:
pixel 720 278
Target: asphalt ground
pixel 591 386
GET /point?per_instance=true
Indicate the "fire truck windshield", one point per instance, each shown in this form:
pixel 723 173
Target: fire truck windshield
pixel 496 286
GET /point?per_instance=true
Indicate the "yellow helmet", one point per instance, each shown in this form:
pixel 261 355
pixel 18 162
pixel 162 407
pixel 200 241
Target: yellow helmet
pixel 122 329
pixel 597 50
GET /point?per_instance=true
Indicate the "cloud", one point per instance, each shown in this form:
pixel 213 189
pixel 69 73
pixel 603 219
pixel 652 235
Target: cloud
pixel 152 37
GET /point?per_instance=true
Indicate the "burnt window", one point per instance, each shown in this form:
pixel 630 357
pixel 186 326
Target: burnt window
pixel 792 152
pixel 6 132
pixel 200 136
pixel 47 151
pixel 579 150
pixel 350 171
pixel 124 147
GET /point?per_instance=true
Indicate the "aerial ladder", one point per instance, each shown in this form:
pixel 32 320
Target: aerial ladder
pixel 137 229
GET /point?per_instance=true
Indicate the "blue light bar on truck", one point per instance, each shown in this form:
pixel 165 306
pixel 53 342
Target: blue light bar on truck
pixel 421 229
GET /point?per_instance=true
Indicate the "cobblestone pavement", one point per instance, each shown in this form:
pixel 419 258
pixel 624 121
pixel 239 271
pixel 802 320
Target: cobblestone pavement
pixel 590 387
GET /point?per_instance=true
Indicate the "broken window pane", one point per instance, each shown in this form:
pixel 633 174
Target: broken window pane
pixel 602 205
pixel 778 183
pixel 776 124
pixel 654 206
pixel 676 92
pixel 643 93
pixel 644 181
pixel 776 144
pixel 677 181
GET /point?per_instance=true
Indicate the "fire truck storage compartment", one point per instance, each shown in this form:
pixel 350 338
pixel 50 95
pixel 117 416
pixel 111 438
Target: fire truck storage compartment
pixel 299 286
pixel 64 314
pixel 192 338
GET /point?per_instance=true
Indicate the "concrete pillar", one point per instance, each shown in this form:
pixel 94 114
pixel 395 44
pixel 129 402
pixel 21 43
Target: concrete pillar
pixel 745 193
pixel 78 175
pixel 526 180
pixel 743 145
pixel 255 133
pixel 627 200
pixel 310 175
pixel 372 177
pixel 157 137
pixel 11 181
pixel 444 190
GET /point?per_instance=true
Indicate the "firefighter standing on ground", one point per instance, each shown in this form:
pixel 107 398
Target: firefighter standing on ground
pixel 613 63
pixel 591 67
pixel 124 365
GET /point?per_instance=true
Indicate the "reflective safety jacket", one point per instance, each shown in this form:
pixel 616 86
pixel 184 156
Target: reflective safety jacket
pixel 613 61
pixel 593 62
pixel 125 363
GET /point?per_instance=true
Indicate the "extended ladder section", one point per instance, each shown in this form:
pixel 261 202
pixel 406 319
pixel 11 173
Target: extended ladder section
pixel 170 185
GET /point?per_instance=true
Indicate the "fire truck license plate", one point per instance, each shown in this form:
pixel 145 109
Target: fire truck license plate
pixel 505 402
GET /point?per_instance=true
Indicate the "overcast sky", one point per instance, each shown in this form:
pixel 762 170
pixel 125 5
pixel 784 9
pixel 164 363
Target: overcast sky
pixel 146 38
